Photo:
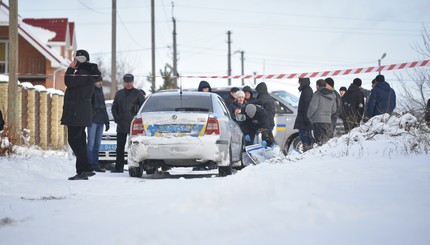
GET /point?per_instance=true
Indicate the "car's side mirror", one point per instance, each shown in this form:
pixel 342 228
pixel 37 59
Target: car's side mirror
pixel 240 117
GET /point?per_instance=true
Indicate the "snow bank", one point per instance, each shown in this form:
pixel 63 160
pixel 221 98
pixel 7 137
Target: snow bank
pixel 383 136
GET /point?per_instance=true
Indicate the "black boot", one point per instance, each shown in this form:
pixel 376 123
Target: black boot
pixel 80 176
pixel 99 169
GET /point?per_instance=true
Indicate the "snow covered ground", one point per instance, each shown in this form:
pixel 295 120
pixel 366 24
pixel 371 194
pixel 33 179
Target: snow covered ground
pixel 369 187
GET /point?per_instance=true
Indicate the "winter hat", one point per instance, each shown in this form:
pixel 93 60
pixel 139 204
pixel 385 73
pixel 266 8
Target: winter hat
pixel 234 89
pixel 128 78
pixel 342 89
pixel 380 78
pixel 240 94
pixel 329 81
pixel 82 56
pixel 357 81
pixel 247 89
pixel 98 79
pixel 250 110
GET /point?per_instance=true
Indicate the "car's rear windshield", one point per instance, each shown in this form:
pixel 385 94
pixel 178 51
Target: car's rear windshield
pixel 178 103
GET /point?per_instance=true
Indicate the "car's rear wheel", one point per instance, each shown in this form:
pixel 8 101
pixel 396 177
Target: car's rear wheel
pixel 136 171
pixel 295 145
pixel 227 170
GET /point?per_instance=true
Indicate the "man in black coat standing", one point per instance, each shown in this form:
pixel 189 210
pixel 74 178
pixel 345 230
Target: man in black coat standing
pixel 267 102
pixel 77 109
pixel 125 106
pixel 353 105
pixel 302 123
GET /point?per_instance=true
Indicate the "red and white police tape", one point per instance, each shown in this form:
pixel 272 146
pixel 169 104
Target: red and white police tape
pixel 324 73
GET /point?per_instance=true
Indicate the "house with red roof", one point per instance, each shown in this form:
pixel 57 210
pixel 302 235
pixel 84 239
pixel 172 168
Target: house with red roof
pixel 45 48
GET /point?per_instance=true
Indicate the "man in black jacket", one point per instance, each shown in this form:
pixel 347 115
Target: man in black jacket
pixel 125 106
pixel 267 102
pixel 257 122
pixel 353 105
pixel 77 109
pixel 302 123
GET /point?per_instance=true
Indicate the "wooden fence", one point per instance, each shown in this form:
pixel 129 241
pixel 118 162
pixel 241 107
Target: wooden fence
pixel 40 112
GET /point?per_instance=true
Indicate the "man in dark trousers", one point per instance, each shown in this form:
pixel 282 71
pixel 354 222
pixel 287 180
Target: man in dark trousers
pixel 77 109
pixel 353 105
pixel 330 85
pixel 302 122
pixel 267 102
pixel 321 107
pixel 125 106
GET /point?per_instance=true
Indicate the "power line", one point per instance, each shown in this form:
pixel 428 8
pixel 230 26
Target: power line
pixel 304 15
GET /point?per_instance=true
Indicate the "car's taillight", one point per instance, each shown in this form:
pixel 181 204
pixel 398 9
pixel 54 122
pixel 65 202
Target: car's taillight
pixel 212 127
pixel 137 126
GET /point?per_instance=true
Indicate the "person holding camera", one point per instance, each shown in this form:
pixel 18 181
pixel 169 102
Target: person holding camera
pixel 77 109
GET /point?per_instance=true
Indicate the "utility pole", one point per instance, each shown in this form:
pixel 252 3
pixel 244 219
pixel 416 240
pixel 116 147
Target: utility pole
pixel 175 58
pixel 229 58
pixel 379 61
pixel 255 78
pixel 12 104
pixel 243 68
pixel 114 84
pixel 153 44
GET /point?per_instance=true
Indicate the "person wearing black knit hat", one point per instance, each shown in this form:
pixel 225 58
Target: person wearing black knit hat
pixel 357 81
pixel 382 98
pixel 353 105
pixel 330 85
pixel 342 91
pixel 77 109
pixel 249 96
pixel 302 122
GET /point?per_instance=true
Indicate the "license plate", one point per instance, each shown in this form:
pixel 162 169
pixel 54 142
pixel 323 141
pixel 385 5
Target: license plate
pixel 174 128
pixel 108 147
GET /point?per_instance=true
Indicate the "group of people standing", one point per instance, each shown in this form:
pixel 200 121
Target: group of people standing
pixel 318 112
pixel 259 111
pixel 84 108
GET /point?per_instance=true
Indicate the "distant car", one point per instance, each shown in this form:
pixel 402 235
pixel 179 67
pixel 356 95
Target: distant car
pixel 184 129
pixel 286 105
pixel 107 152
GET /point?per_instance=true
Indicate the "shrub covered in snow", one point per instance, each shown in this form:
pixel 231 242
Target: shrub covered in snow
pixel 384 135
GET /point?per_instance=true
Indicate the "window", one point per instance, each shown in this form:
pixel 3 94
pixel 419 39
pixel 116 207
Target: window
pixel 177 102
pixel 3 57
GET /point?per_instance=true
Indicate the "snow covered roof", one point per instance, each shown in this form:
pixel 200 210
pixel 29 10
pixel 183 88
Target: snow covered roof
pixel 36 37
pixel 60 26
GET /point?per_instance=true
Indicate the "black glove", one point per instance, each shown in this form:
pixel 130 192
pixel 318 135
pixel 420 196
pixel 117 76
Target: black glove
pixel 106 126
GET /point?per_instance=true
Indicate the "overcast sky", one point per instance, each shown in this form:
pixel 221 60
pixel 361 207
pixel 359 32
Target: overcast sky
pixel 277 36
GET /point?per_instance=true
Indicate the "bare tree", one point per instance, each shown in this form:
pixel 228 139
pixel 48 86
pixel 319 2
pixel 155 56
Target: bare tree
pixel 414 96
pixel 122 68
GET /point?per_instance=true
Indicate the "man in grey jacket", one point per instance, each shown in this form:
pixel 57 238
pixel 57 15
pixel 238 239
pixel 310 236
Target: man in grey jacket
pixel 321 107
